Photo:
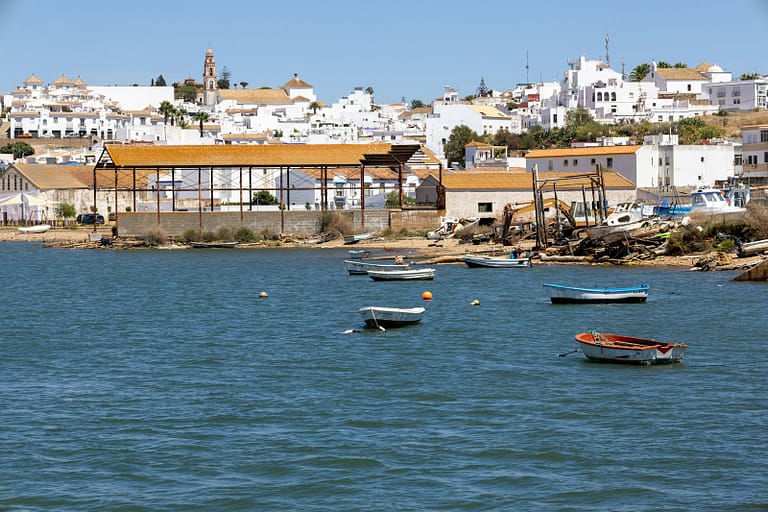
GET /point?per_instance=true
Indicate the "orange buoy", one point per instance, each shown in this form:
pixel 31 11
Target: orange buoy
pixel 426 295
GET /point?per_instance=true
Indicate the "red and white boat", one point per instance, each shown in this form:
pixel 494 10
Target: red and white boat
pixel 617 348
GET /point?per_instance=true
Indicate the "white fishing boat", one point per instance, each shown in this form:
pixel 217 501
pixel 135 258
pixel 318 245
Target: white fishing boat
pixel 38 228
pixel 561 294
pixel 353 239
pixel 625 218
pixel 375 316
pixel 617 348
pixel 402 275
pixel 712 201
pixel 359 267
pixel 477 261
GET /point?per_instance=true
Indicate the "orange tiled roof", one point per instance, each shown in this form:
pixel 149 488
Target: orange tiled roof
pixel 680 74
pixel 587 151
pixel 296 83
pixel 256 96
pixel 523 181
pixel 304 155
pixel 49 177
pixel 33 80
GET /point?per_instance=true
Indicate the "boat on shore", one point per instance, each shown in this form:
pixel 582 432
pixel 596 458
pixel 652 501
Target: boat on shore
pixel 478 261
pixel 214 245
pixel 561 294
pixel 424 274
pixel 353 239
pixel 375 316
pixel 625 219
pixel 359 267
pixel 617 348
pixel 38 228
pixel 712 201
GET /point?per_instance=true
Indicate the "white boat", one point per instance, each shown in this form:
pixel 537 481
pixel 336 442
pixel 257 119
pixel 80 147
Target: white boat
pixel 560 294
pixel 359 267
pixel 475 261
pixel 617 348
pixel 402 275
pixel 712 201
pixel 375 316
pixel 39 228
pixel 625 218
pixel 353 239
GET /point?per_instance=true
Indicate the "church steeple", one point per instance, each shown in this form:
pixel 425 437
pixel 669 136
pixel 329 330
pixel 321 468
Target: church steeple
pixel 210 87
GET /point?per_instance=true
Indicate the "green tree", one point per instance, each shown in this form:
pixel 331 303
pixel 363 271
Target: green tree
pixel 393 200
pixel 369 90
pixel 263 197
pixel 160 81
pixel 505 138
pixel 680 65
pixel 663 64
pixel 224 77
pixel 417 104
pixel 186 92
pixel 580 116
pixel 201 116
pixel 18 149
pixel 749 76
pixel 166 108
pixel 243 84
pixel 180 117
pixel 639 72
pixel 315 106
pixel 66 210
pixel 454 148
pixel 694 130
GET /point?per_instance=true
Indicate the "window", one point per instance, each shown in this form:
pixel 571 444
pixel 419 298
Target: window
pixel 609 162
pixel 592 162
pixel 550 165
pixel 484 207
pixel 765 157
pixel 737 159
pixel 763 135
pixel 689 87
pixel 575 162
pixel 565 163
pixel 702 159
pixel 613 96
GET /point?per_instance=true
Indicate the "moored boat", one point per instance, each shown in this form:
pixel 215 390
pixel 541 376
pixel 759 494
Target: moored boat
pixel 476 261
pixel 375 316
pixel 617 348
pixel 561 294
pixel 359 267
pixel 214 245
pixel 402 275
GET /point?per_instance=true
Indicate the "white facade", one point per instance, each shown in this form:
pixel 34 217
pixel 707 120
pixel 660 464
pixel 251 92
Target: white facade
pixel 746 95
pixel 134 97
pixel 446 116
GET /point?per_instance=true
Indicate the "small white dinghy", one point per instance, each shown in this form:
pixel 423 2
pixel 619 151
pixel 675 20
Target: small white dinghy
pixel 38 228
pixel 402 275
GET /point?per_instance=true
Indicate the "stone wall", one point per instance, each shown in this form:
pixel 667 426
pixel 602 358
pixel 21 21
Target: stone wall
pixel 298 223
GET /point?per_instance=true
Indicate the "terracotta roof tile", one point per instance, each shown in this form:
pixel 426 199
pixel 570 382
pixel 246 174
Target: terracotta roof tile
pixel 256 96
pixel 270 155
pixel 680 74
pixel 587 151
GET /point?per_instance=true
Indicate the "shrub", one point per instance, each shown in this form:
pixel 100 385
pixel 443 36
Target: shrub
pixel 245 235
pixel 757 218
pixel 224 234
pixel 191 235
pixel 686 241
pixel 154 237
pixel 336 222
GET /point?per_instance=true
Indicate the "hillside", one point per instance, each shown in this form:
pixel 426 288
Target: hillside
pixel 733 122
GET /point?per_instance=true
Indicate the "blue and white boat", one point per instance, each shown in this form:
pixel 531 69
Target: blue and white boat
pixel 561 294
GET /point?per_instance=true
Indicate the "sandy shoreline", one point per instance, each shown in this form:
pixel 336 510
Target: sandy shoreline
pixel 417 250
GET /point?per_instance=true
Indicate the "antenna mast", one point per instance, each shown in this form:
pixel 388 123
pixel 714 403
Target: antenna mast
pixel 526 68
pixel 607 58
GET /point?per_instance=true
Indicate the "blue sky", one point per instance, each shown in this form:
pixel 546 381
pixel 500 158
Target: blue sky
pixel 401 49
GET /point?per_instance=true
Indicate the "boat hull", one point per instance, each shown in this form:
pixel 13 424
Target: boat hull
pixel 374 316
pixel 357 267
pixel 424 274
pixel 559 294
pixel 39 228
pixel 473 261
pixel 616 348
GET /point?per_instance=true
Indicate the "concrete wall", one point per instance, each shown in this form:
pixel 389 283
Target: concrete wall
pixel 299 223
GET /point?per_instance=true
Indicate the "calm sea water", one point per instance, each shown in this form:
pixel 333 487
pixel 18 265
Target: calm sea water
pixel 159 380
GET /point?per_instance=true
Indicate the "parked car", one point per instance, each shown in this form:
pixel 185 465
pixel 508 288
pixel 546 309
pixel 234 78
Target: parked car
pixel 88 218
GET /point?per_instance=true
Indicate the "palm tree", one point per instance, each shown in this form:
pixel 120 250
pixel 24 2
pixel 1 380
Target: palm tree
pixel 166 108
pixel 314 106
pixel 243 84
pixel 639 72
pixel 201 116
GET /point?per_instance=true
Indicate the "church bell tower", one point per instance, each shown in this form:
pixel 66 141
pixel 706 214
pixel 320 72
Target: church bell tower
pixel 210 87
